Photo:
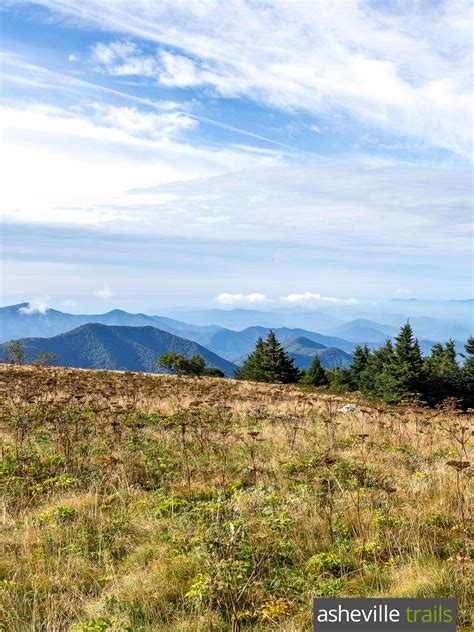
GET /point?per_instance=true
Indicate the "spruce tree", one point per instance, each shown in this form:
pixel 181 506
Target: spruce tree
pixel 269 362
pixel 280 367
pixel 253 366
pixel 360 361
pixel 442 374
pixel 375 377
pixel 407 350
pixel 315 375
pixel 407 368
pixel 250 369
pixel 468 375
pixel 394 372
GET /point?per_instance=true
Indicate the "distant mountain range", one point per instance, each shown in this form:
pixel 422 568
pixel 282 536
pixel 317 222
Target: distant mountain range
pixel 207 332
pixel 235 345
pixel 18 321
pixel 302 350
pixel 238 319
pixel 353 324
pixel 97 346
pixel 362 330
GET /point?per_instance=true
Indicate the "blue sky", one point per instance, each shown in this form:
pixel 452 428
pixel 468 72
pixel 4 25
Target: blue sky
pixel 238 153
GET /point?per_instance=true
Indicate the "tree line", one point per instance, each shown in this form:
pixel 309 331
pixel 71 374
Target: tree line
pixel 395 372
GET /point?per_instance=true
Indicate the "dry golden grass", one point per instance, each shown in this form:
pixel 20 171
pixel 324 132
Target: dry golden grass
pixel 150 502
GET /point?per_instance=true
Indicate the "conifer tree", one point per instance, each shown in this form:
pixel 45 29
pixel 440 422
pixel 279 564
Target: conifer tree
pixel 255 366
pixel 392 372
pixel 443 376
pixel 376 379
pixel 315 375
pixel 407 350
pixel 396 372
pixel 269 362
pixel 359 364
pixel 280 367
pixel 468 375
pixel 407 368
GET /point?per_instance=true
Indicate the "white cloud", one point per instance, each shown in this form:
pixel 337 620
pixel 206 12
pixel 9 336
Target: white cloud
pixel 147 124
pixel 124 58
pixel 310 297
pixel 339 230
pixel 179 71
pixel 403 291
pixel 233 299
pixel 36 306
pixel 337 63
pixel 105 293
pixel 115 148
pixel 351 57
pixel 69 302
pixel 306 298
pixel 346 209
pixel 16 71
pixel 73 58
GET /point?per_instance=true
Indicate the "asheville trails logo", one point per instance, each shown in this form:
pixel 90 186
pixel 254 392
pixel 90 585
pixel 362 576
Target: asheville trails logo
pixel 380 615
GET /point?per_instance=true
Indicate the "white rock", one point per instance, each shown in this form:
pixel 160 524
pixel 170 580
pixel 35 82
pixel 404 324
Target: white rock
pixel 348 408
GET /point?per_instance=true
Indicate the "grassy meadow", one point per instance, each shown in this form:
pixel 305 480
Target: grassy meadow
pixel 147 502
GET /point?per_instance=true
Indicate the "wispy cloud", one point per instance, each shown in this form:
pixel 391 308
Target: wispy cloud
pixel 352 180
pixel 115 148
pixel 354 57
pixel 306 298
pixel 309 298
pixel 154 271
pixel 148 125
pixel 345 209
pixel 17 71
pixel 36 306
pixel 104 293
pixel 124 58
pixel 236 299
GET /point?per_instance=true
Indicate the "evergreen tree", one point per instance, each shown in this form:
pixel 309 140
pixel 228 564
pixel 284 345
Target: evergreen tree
pixel 407 351
pixel 468 375
pixel 442 374
pixel 269 362
pixel 339 379
pixel 280 366
pixel 406 372
pixel 376 378
pixel 393 372
pixel 359 364
pixel 315 375
pixel 254 367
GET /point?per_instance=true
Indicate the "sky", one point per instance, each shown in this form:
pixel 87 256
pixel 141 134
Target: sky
pixel 237 154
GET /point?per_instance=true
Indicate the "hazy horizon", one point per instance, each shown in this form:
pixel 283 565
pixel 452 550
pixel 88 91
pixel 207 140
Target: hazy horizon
pixel 43 304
